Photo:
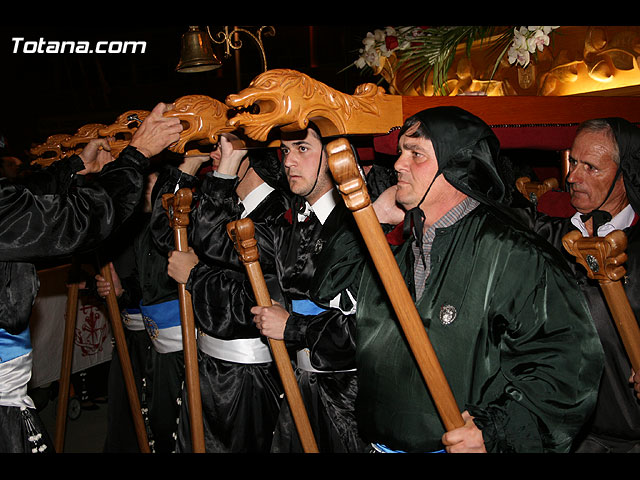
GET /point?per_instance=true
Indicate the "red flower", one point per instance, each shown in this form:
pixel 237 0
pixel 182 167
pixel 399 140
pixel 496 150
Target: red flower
pixel 391 42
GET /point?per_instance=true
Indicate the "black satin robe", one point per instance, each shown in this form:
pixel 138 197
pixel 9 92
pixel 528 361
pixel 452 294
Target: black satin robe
pixel 616 420
pixel 330 336
pixel 240 402
pixel 55 219
pixel 52 215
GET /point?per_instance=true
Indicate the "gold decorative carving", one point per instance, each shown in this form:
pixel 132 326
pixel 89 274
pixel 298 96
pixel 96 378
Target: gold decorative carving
pixel 289 99
pixel 51 150
pixel 607 59
pixel 466 77
pixel 580 60
pixel 532 190
pixel 76 142
pixel 122 129
pixel 603 259
pixel 203 119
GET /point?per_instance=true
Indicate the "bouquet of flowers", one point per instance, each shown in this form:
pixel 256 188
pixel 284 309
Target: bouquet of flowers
pixel 420 50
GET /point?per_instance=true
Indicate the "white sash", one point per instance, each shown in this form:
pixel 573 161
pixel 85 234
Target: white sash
pixel 240 350
pixel 14 376
pixel 167 340
pixel 132 321
pixel 303 358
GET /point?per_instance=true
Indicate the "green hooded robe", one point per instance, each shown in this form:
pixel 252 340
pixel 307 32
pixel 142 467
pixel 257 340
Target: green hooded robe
pixel 507 321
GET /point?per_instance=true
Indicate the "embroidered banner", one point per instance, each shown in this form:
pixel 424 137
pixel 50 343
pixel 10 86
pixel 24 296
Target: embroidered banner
pixel 92 336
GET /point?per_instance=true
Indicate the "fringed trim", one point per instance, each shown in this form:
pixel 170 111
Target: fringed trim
pixel 33 435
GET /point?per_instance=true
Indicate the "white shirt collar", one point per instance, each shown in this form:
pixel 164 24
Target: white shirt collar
pixel 255 196
pixel 621 221
pixel 323 206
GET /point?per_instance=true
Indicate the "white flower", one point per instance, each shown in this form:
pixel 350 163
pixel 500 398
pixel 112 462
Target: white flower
pixel 519 56
pixel 379 35
pixel 390 32
pixel 386 52
pixel 369 40
pixel 519 40
pixel 528 40
pixel 539 40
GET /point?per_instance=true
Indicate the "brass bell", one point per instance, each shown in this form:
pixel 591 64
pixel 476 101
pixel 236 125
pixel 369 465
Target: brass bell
pixel 197 53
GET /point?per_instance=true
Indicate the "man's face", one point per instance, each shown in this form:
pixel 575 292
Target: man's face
pixel 591 171
pixel 416 167
pixel 300 157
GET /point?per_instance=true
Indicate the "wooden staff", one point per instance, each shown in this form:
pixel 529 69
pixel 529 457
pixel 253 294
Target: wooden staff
pixel 241 233
pixel 67 357
pixel 354 192
pixel 178 207
pixel 125 361
pixel 603 257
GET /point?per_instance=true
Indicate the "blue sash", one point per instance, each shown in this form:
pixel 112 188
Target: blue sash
pixel 306 307
pixel 162 315
pixel 384 449
pixel 14 346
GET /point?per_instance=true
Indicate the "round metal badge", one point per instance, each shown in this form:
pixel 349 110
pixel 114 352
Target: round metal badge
pixel 448 314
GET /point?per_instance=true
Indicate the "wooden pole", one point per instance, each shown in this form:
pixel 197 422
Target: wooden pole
pixel 65 368
pixel 354 192
pixel 113 310
pixel 241 233
pixel 603 257
pixel 178 207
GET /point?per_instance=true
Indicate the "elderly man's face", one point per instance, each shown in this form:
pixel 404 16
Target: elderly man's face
pixel 591 171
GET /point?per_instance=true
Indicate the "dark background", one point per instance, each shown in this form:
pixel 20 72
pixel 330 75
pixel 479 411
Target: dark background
pixel 45 94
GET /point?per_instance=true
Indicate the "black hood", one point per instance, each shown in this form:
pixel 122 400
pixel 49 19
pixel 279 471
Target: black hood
pixel 268 166
pixel 467 150
pixel 628 138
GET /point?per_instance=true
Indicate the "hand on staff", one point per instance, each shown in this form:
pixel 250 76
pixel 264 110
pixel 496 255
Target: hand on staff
pixel 103 287
pixel 180 264
pixel 230 158
pixel 95 155
pixel 271 321
pixel 156 132
pixel 191 163
pixel 635 379
pixel 466 439
pixel 386 208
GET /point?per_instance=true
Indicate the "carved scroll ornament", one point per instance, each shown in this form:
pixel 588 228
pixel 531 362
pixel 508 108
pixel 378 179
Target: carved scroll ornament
pixel 203 119
pixel 76 142
pixel 288 99
pixel 603 259
pixel 51 150
pixel 122 129
pixel 533 190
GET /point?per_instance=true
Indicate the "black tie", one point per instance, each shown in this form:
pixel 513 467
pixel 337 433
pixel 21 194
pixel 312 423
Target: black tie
pixel 414 221
pixel 600 217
